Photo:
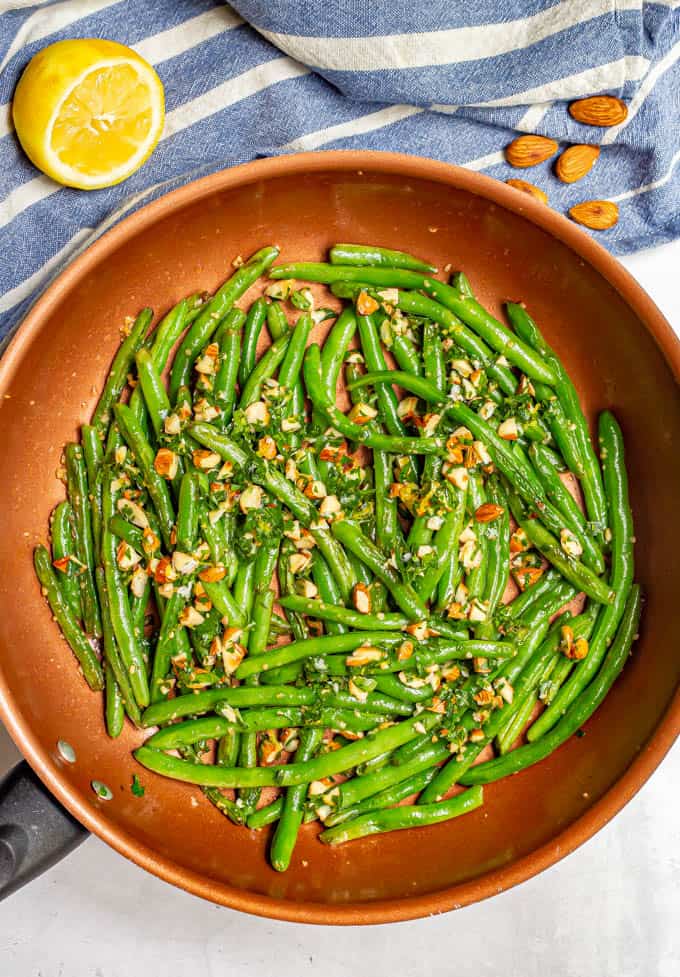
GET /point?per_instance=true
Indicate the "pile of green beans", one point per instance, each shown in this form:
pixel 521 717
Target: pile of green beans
pixel 347 607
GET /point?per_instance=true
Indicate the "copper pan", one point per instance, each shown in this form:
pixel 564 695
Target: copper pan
pixel 616 345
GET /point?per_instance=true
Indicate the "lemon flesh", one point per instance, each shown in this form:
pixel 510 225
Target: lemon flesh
pixel 88 112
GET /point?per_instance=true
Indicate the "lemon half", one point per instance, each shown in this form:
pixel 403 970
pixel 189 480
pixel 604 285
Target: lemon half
pixel 88 112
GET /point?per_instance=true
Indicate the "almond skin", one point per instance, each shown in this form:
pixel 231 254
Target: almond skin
pixel 576 162
pixel 529 189
pixel 599 110
pixel 489 512
pixel 595 214
pixel 530 150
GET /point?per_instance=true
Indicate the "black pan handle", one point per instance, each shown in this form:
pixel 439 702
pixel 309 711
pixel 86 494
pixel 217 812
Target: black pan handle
pixel 35 830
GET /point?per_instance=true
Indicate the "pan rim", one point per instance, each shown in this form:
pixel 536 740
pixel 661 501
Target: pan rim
pixel 488 883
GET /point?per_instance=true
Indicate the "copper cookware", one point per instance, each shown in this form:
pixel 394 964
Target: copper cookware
pixel 622 355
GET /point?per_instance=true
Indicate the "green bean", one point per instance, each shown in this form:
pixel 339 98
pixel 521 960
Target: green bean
pixel 522 477
pixel 210 727
pixel 197 703
pixel 498 555
pixel 266 815
pixel 519 667
pixel 329 593
pixel 400 818
pixel 372 256
pixel 76 475
pixel 571 568
pixel 354 753
pixel 264 369
pixel 508 736
pixel 167 643
pixel 279 486
pixel 63 548
pixel 77 641
pixel 112 657
pixel 375 361
pixel 120 368
pixel 244 595
pixel 328 645
pixel 373 702
pixel 143 452
pixel 593 490
pixel 343 615
pixel 351 536
pixel 292 361
pixel 226 603
pixel 359 788
pixel 251 333
pixel 433 356
pixel 384 798
pixel 228 748
pixel 94 457
pixel 450 571
pixel 527 598
pixel 211 315
pixel 228 338
pixel 581 708
pixel 356 432
pixel 277 321
pixel 560 496
pixel 334 350
pixel 153 390
pixel 461 283
pixel 422 305
pixel 202 773
pixel 187 513
pixel 390 685
pixel 621 576
pixel 318 271
pixel 422 387
pixel 493 332
pixel 476 576
pixel 405 355
pixel 113 708
pixel 292 811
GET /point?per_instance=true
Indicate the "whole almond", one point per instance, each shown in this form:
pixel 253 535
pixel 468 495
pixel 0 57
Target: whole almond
pixel 530 150
pixel 595 214
pixel 530 189
pixel 575 162
pixel 599 110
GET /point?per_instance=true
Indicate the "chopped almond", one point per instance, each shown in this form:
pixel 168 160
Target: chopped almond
pixel 138 581
pixel 362 413
pixel 519 541
pixel 257 413
pixel 366 304
pixel 361 598
pixel 458 477
pixel 364 655
pixel 126 557
pixel 508 429
pixel 205 460
pixel 330 506
pixel 172 424
pixel 166 463
pixel 213 574
pixel 266 447
pixel 331 452
pixel 183 563
pixel 134 512
pixel 190 618
pixel 489 512
pixel 297 562
pixel 405 650
pixel 251 498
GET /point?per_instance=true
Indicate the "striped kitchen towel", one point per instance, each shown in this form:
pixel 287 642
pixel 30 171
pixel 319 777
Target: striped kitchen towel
pixel 453 81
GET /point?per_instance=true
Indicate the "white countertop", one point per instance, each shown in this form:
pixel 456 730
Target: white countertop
pixel 611 909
